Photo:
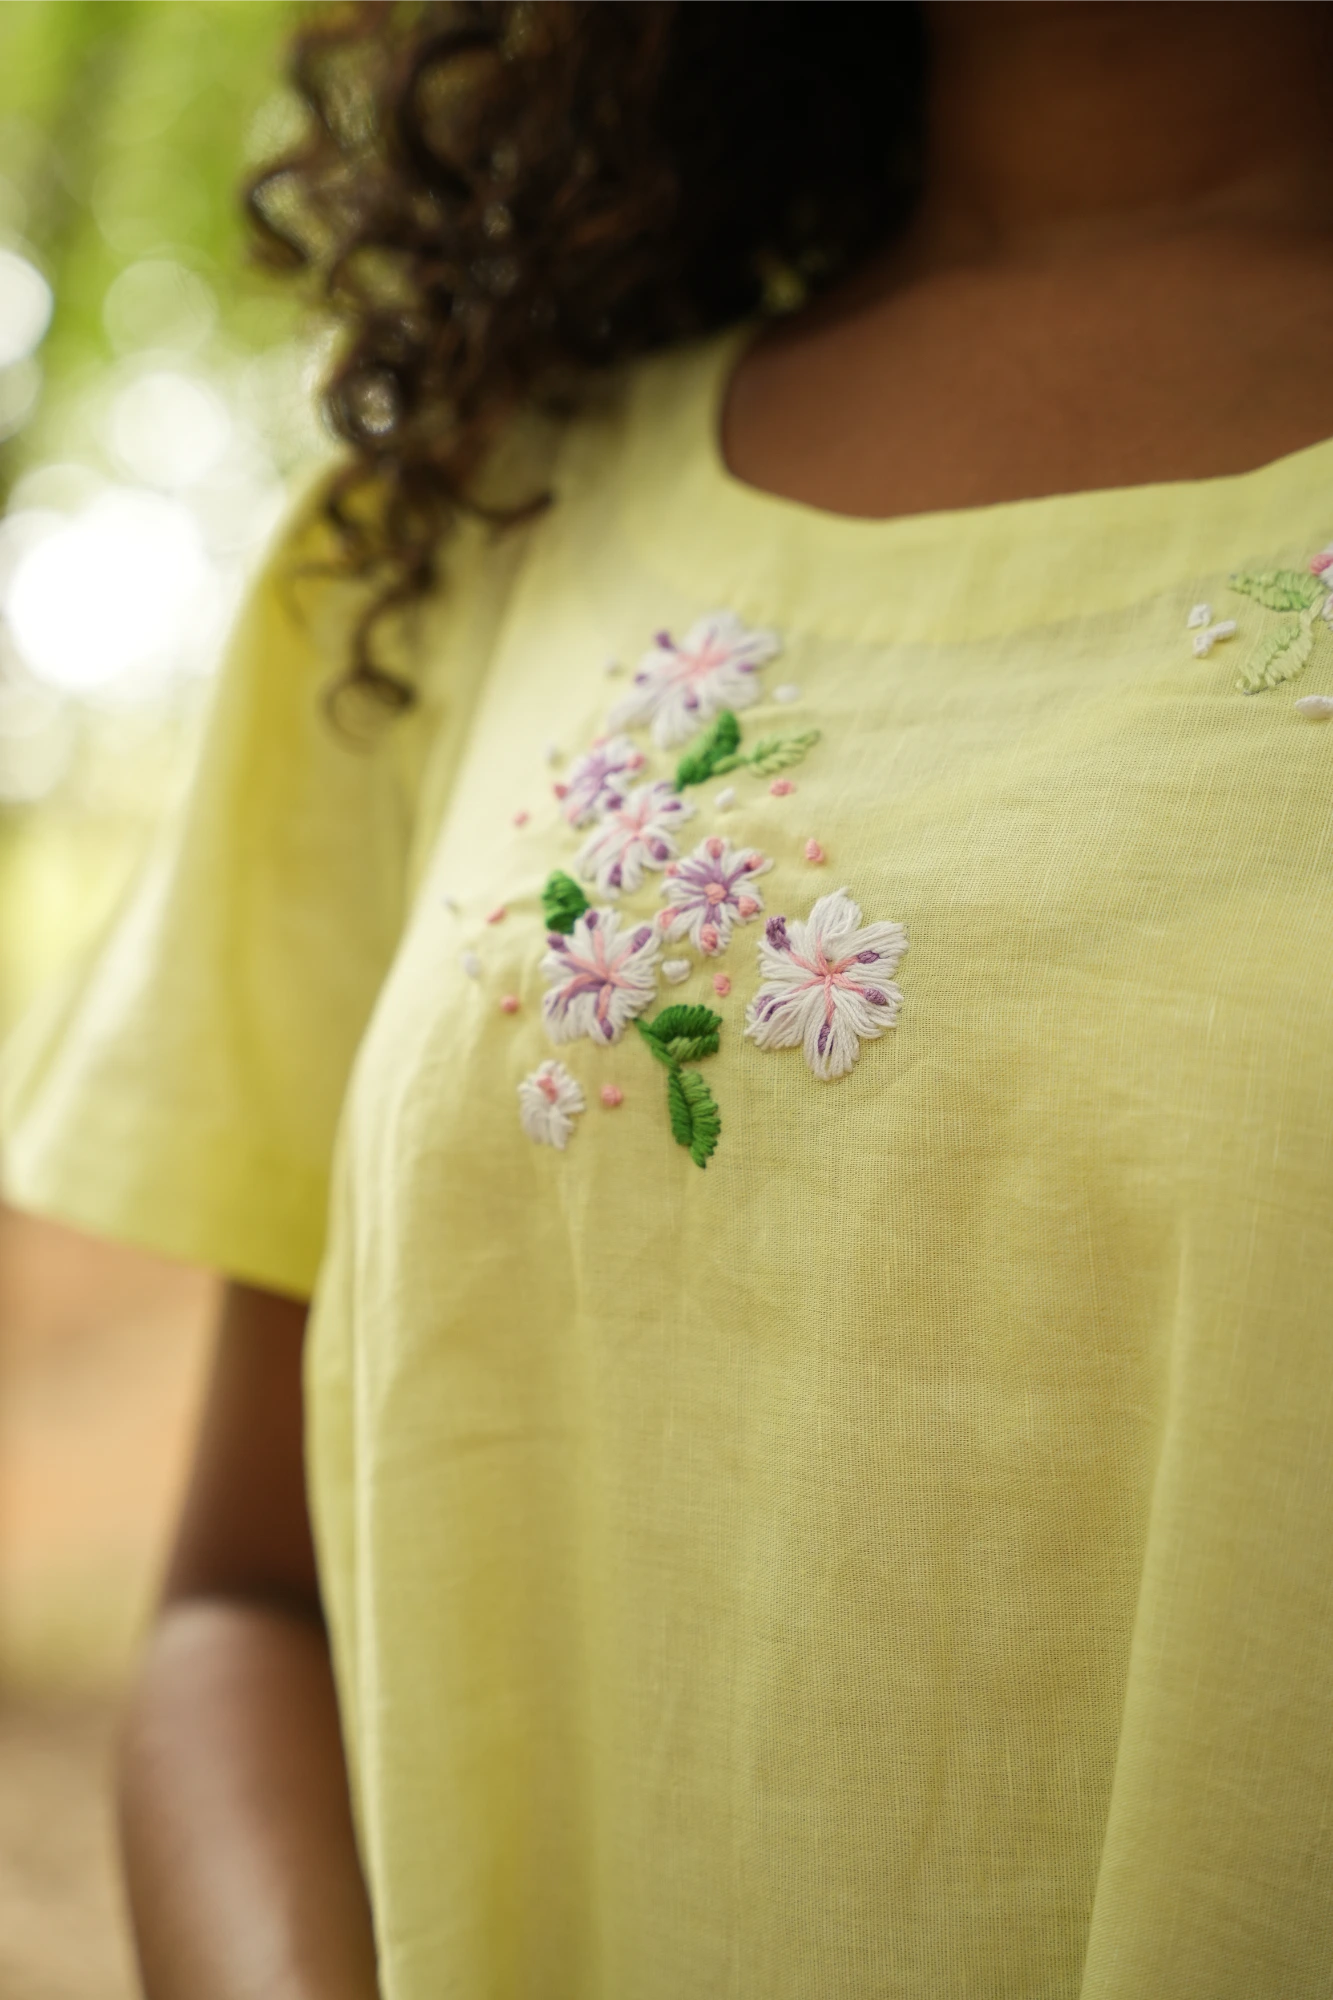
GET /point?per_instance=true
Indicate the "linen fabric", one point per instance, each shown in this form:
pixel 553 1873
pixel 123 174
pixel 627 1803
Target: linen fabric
pixel 895 1559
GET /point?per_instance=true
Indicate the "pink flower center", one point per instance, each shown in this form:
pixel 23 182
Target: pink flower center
pixel 830 976
pixel 599 972
pixel 714 653
pixel 548 1088
pixel 716 892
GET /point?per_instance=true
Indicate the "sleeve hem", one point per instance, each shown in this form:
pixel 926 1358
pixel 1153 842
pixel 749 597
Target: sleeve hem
pixel 254 1221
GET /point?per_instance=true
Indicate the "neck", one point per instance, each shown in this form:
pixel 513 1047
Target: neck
pixel 1067 126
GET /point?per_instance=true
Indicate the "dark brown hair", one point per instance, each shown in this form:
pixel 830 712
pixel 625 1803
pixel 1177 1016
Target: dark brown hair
pixel 497 198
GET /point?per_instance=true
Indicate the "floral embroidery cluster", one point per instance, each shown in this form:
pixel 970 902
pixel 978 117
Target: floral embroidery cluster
pixel 826 984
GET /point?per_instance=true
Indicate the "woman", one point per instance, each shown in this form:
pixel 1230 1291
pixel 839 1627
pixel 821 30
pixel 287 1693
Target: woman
pixel 816 1400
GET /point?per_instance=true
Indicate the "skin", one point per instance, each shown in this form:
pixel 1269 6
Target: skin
pixel 240 1860
pixel 1122 272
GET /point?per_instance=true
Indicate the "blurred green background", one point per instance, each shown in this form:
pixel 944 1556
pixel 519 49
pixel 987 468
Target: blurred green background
pixel 147 426
pixel 155 407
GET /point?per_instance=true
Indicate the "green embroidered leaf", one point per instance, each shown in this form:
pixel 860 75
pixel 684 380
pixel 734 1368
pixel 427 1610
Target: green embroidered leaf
pixel 1280 589
pixel 695 1119
pixel 682 1034
pixel 660 1050
pixel 718 751
pixel 683 1019
pixel 704 757
pixel 1280 658
pixel 776 753
pixel 563 902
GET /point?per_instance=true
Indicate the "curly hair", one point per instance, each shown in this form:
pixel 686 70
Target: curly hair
pixel 497 198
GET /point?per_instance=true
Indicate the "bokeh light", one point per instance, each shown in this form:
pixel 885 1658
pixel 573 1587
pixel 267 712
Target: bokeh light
pixel 168 429
pixel 25 307
pixel 159 303
pixel 20 390
pixel 124 587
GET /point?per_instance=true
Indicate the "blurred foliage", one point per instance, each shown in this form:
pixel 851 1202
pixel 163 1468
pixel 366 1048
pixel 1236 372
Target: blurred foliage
pixel 126 130
pixel 125 126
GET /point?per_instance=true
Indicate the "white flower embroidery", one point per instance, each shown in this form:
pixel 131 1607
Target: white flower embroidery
pixel 637 833
pixel 548 1103
pixel 599 780
pixel 826 984
pixel 599 978
pixel 678 687
pixel 711 892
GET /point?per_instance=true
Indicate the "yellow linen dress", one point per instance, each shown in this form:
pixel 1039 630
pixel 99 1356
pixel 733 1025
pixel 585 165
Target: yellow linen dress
pixel 830 1496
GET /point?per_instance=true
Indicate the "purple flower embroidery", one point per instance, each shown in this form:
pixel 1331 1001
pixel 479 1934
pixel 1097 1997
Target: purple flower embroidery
pixel 599 780
pixel 712 891
pixel 600 977
pixel 678 687
pixel 638 833
pixel 826 984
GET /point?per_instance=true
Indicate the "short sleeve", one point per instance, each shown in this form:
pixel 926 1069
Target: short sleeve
pixel 182 1092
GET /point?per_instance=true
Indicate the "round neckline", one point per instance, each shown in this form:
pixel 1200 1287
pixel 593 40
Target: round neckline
pixel 953 574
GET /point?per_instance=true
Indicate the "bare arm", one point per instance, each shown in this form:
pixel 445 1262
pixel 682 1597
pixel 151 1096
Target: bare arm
pixel 243 1875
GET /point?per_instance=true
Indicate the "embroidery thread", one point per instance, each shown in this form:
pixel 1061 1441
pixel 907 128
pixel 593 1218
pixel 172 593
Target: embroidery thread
pixel 718 751
pixel 825 984
pixel 563 902
pixel 711 891
pixel 676 1036
pixel 1286 652
pixel 599 978
pixel 599 779
pixel 638 833
pixel 549 1100
pixel 715 666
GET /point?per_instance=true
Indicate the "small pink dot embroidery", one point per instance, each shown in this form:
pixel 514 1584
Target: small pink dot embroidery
pixel 814 852
pixel 721 985
pixel 498 916
pixel 509 1003
pixel 561 791
pixel 522 818
pixel 612 1096
pixel 782 788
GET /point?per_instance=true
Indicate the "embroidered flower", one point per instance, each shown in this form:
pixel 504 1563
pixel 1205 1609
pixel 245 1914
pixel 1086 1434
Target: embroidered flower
pixel 826 984
pixel 599 977
pixel 637 833
pixel 548 1103
pixel 600 779
pixel 677 687
pixel 711 892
